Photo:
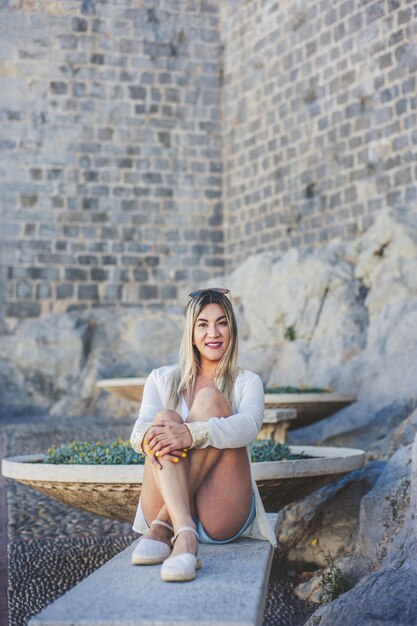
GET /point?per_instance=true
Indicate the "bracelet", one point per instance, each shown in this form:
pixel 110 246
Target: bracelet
pixel 199 434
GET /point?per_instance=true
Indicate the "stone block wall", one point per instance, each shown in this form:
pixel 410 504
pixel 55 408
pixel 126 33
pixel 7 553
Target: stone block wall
pixel 319 119
pixel 146 145
pixel 110 152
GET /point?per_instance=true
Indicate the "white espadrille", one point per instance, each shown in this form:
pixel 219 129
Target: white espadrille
pixel 151 551
pixel 180 568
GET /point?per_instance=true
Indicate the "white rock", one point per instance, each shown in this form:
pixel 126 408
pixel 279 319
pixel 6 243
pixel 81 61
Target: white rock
pixel 49 352
pixel 389 594
pixel 382 510
pixel 351 306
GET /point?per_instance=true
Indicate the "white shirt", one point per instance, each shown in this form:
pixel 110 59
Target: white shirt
pixel 236 431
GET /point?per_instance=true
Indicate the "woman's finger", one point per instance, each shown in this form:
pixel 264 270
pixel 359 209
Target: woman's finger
pixel 171 458
pixel 150 452
pixel 164 443
pixel 171 449
pixel 154 440
pixel 158 442
pixel 153 432
pixel 150 433
pixel 154 461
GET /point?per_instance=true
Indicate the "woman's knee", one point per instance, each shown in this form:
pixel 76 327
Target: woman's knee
pixel 166 415
pixel 211 398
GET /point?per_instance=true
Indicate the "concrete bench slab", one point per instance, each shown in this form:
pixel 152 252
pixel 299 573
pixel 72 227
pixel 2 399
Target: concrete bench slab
pixel 276 423
pixel 230 589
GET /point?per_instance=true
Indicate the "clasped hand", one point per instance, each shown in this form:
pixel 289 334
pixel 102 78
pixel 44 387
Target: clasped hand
pixel 168 439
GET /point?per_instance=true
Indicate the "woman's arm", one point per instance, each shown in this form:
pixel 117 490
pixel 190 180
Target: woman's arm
pixel 150 405
pixel 238 430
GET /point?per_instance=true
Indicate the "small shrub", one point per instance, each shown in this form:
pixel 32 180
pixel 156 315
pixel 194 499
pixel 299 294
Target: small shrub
pixel 290 333
pixel 332 581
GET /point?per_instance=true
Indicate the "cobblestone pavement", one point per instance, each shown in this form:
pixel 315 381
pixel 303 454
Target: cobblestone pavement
pixel 53 546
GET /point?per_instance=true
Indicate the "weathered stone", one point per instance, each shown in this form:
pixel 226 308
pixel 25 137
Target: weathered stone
pixel 330 515
pixel 383 508
pixel 366 423
pixel 49 353
pixel 353 567
pixel 122 344
pixel 388 595
pixel 333 316
pixel 15 398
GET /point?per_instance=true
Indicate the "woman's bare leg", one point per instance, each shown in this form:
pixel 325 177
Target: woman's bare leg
pixel 219 478
pixel 172 489
pixel 152 500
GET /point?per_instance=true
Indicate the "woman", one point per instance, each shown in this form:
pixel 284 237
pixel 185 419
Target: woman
pixel 195 424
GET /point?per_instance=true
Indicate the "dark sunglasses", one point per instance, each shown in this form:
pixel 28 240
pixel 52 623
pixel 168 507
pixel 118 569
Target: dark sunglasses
pixel 200 292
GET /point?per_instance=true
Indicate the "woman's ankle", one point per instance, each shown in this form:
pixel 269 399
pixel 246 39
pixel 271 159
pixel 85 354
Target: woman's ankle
pixel 160 533
pixel 186 542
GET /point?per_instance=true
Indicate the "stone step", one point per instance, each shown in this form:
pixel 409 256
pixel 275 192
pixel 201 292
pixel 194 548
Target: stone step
pixel 230 589
pixel 274 416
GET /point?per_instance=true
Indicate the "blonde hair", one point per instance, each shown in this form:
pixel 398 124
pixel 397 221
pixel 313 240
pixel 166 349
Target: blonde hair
pixel 189 357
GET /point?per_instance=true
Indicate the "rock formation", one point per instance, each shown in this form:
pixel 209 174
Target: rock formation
pixel 387 595
pixel 343 316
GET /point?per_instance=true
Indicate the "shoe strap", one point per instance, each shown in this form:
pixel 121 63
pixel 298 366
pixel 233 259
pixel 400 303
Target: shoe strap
pixel 182 530
pixel 162 523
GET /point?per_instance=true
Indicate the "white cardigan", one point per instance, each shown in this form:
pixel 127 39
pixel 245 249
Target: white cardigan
pixel 236 431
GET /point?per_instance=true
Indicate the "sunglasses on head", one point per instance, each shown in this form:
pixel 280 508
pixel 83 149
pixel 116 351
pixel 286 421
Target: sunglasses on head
pixel 200 292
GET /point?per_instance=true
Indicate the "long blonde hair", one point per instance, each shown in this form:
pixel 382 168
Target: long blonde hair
pixel 189 357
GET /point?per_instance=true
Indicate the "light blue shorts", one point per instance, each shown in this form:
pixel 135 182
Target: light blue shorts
pixel 203 537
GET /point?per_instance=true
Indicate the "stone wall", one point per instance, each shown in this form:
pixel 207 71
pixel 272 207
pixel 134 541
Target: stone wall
pixel 110 152
pixel 319 119
pixel 126 126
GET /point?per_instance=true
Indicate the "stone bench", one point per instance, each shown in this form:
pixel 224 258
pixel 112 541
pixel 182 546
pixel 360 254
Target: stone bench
pixel 276 424
pixel 230 589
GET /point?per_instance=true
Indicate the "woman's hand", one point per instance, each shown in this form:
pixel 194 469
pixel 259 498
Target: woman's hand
pixel 174 457
pixel 167 438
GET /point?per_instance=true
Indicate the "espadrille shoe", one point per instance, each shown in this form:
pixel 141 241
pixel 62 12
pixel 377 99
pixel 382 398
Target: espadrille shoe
pixel 180 568
pixel 151 551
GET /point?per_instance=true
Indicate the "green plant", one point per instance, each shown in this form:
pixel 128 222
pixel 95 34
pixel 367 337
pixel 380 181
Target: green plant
pixel 290 333
pixel 130 375
pixel 269 450
pixel 290 389
pixel 332 581
pixel 88 453
pixel 121 453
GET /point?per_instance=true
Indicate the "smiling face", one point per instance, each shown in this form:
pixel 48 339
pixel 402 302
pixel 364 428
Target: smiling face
pixel 211 334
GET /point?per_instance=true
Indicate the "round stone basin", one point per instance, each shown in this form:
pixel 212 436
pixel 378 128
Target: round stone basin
pixel 113 490
pixel 310 407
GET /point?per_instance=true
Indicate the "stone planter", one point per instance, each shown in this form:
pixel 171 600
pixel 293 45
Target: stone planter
pixel 127 388
pixel 310 407
pixel 113 490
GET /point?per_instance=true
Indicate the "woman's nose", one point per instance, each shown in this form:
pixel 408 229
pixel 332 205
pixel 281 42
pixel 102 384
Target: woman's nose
pixel 213 330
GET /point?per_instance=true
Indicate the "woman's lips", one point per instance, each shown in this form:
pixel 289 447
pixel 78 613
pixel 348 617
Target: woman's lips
pixel 214 345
